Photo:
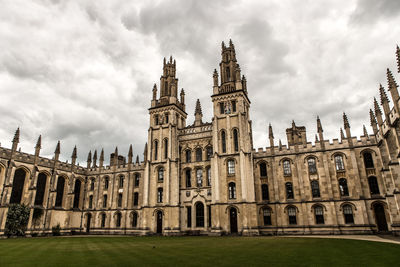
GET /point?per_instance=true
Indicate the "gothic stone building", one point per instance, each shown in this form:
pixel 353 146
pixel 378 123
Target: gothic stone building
pixel 206 178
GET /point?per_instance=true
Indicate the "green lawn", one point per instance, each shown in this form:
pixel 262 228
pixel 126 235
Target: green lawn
pixel 195 251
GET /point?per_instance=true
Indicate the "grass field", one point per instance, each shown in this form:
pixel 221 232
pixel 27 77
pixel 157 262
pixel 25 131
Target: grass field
pixel 195 251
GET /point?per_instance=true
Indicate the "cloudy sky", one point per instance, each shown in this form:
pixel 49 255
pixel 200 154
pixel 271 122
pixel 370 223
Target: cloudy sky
pixel 82 71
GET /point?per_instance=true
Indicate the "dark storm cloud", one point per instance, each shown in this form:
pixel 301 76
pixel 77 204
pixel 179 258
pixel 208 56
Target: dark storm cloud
pixel 82 71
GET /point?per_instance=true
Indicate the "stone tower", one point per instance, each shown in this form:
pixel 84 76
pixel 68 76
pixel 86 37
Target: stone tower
pixel 161 183
pixel 232 137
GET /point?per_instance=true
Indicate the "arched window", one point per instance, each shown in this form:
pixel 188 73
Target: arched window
pixel 319 215
pixel 135 199
pixel 91 184
pixel 165 148
pixel 287 170
pixel 373 185
pixel 368 161
pixel 223 141
pixel 118 222
pixel 199 156
pixel 209 152
pixel 228 74
pixel 90 201
pixel 18 186
pixel 267 216
pixel 159 195
pixel 60 191
pixel 209 176
pixel 263 169
pixel 77 193
pixel 289 190
pixel 199 214
pixel 236 140
pixel 166 117
pixel 232 190
pixel 339 163
pixel 134 219
pixel 312 166
pixel 231 167
pixel 344 190
pixel 155 150
pixel 188 178
pixel 121 181
pixel 188 156
pixel 160 174
pixel 40 189
pixel 264 192
pixel 199 177
pixel 156 120
pixel 348 214
pixel 105 201
pixel 106 182
pixel 103 220
pixel 315 188
pixel 292 215
pixel 137 179
pixel 119 200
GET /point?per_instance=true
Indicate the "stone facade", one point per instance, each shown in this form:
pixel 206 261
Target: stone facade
pixel 206 178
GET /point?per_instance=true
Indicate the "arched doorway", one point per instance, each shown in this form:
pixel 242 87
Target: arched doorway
pixel 18 186
pixel 159 222
pixel 88 221
pixel 380 218
pixel 233 220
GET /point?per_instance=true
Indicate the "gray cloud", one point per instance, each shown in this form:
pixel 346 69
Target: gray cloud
pixel 82 71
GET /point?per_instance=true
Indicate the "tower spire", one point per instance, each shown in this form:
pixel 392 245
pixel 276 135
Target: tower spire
pixel 373 121
pixel 378 112
pixel 57 151
pixel 89 159
pixel 15 140
pixel 384 100
pixel 74 156
pixel 341 134
pixel 198 114
pixel 392 86
pixel 38 145
pixel 95 159
pixel 398 58
pixel 365 131
pixel 271 138
pixel 130 154
pixel 101 160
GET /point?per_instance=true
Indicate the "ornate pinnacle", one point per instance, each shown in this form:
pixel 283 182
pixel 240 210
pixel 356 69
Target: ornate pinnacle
pixel 372 117
pixel 74 153
pixel 365 130
pixel 95 155
pixel 398 59
pixel 39 142
pixel 145 151
pixel 16 136
pixel 319 125
pixel 280 144
pixel 170 59
pixel 223 45
pixel 376 106
pixel 116 151
pixel 165 61
pixel 215 74
pixel 89 158
pixel 390 79
pixel 384 98
pixel 102 155
pixel 346 121
pixel 270 133
pixel 137 159
pixel 198 108
pixel 182 92
pixel 316 138
pixel 130 153
pixel 58 150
